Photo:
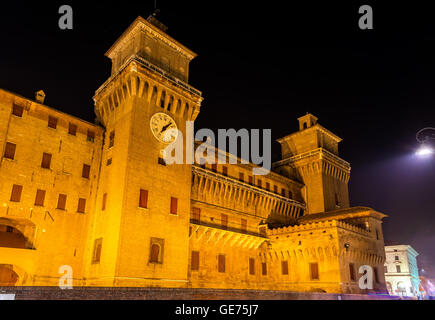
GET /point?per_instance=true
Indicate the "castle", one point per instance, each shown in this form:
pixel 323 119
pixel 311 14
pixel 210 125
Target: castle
pixel 100 199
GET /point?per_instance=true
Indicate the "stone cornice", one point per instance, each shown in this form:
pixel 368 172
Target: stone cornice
pixel 141 24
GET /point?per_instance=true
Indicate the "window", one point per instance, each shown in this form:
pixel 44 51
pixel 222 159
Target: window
pixel 174 205
pixel 40 197
pixel 290 195
pixel 224 221
pixel 86 170
pixel 194 264
pixel 267 186
pixel 10 150
pixel 352 272
pixel 17 110
pixel 377 234
pixel 96 256
pixel 375 273
pixel 259 182
pixel 251 180
pixel 112 139
pixel 314 271
pixel 264 268
pixel 241 177
pixel 283 192
pixel 61 201
pixel 244 225
pixel 91 136
pixel 262 230
pixel 81 206
pixel 156 250
pixel 284 268
pixel 52 122
pixel 72 129
pixel 251 266
pixel 214 167
pixel 109 162
pixel 396 258
pixel 196 215
pixel 143 198
pixel 46 160
pixel 398 269
pixel 103 205
pixel 221 263
pixel 275 189
pixel 225 171
pixel 16 193
pixel 9 229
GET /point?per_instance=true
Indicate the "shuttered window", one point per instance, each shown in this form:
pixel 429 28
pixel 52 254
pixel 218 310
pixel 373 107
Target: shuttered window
pixel 174 205
pixel 194 264
pixel 40 197
pixel 224 221
pixel 267 186
pixel 91 136
pixel 196 214
pixel 17 110
pixel 251 266
pixel 314 271
pixel 52 122
pixel 86 171
pixel 143 198
pixel 241 176
pixel 112 139
pixel 61 202
pixel 81 206
pixel 46 160
pixel 16 193
pixel 244 225
pixel 98 245
pixel 155 252
pixel 225 171
pixel 221 263
pixel 264 268
pixel 284 267
pixel 10 150
pixel 251 180
pixel 352 272
pixel 103 205
pixel 72 129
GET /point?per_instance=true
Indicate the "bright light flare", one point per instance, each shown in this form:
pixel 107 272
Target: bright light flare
pixel 424 151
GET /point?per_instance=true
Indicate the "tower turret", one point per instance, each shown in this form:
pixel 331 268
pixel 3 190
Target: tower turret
pixel 311 156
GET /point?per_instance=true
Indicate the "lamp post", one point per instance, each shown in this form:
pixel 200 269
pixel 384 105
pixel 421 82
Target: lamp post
pixel 425 148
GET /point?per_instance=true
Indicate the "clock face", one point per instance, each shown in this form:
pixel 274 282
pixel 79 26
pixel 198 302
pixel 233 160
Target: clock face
pixel 164 127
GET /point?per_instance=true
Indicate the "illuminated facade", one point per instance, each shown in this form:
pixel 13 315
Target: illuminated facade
pixel 99 198
pixel 401 271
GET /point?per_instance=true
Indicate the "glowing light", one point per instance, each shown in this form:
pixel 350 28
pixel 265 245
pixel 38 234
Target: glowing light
pixel 424 151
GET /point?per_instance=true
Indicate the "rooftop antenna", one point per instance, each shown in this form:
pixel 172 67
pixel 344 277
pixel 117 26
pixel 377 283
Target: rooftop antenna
pixel 153 18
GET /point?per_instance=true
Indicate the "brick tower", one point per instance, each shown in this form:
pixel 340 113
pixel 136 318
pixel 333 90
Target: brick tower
pixel 134 241
pixel 310 155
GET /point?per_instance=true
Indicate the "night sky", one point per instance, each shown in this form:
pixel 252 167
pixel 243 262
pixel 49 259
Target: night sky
pixel 262 65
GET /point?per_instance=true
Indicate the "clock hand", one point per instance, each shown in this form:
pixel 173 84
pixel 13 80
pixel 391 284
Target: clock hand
pixel 165 127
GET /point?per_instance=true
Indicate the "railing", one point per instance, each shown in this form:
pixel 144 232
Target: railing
pixel 150 66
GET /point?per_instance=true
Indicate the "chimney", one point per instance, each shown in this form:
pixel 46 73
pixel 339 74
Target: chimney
pixel 40 96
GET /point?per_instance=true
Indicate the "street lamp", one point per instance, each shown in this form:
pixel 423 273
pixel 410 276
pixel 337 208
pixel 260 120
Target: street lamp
pixel 425 148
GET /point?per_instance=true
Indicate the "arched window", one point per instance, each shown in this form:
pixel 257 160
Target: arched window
pixel 155 252
pixel 162 100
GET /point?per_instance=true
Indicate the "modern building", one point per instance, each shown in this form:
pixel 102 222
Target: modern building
pixel 101 199
pixel 401 271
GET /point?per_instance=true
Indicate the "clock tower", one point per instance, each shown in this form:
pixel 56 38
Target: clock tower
pixel 140 229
